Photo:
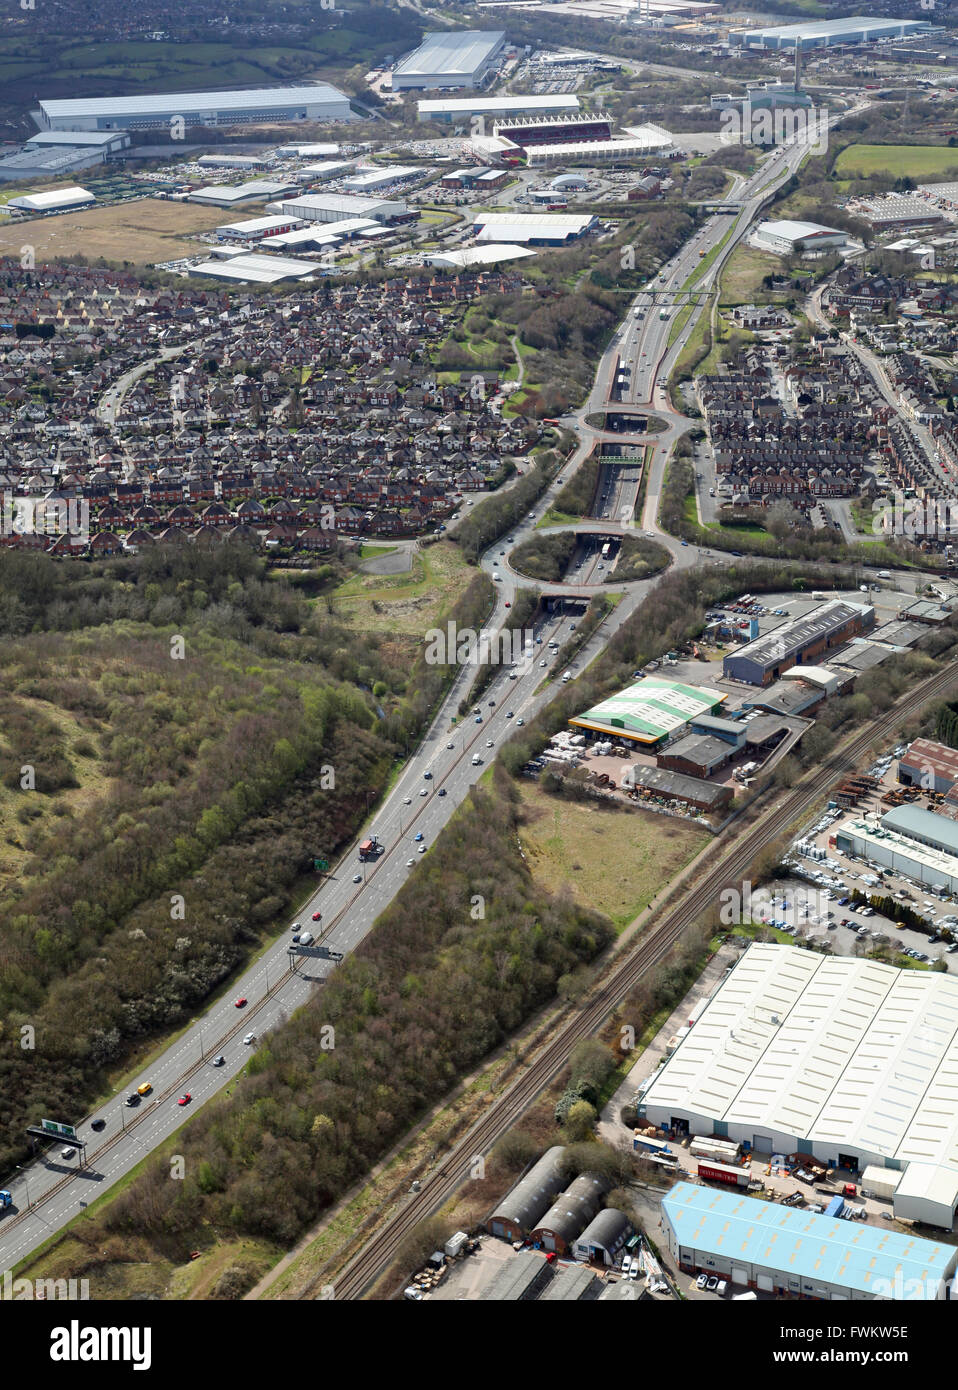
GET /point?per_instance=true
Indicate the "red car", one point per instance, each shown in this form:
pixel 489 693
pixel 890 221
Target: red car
pixel 185 1100
pixel 240 1003
pixel 317 916
pixel 508 604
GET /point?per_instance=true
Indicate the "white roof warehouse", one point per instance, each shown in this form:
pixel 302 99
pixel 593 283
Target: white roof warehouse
pixel 450 58
pixel 847 1059
pixel 317 103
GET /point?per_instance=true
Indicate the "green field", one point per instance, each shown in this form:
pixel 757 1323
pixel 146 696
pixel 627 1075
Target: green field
pixel 915 161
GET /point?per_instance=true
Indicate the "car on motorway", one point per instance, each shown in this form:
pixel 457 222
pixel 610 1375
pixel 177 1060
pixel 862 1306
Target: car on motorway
pixel 240 1003
pixel 185 1098
pixel 145 1089
pixel 543 662
pixel 407 800
pixel 420 835
pixel 422 849
pixel 66 1153
pixel 508 604
pixel 520 722
pixel 133 1099
pixel 450 745
pixel 424 792
pixel 489 743
pixel 478 718
pixel 317 916
pixel 249 1039
pixel 409 863
pixel 428 776
pixel 98 1125
pixel 357 878
pixel 219 1061
pixel 508 713
pixel 442 791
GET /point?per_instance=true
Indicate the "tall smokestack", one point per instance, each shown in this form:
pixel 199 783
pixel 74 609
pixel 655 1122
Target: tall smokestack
pixel 798 67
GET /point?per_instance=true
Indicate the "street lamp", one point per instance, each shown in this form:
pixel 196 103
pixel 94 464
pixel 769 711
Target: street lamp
pixel 26 1182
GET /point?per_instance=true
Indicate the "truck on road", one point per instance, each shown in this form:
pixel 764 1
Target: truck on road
pixel 6 1199
pixel 369 848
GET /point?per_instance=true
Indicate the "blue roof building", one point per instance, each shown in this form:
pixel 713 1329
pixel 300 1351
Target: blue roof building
pixel 783 1251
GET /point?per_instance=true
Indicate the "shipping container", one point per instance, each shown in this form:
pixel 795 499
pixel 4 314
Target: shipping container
pixel 725 1173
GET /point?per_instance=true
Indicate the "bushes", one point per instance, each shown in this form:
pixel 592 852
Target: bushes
pixel 545 556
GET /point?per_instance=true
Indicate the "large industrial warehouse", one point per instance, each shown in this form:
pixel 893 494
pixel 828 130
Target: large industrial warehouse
pixel 765 1246
pixel 253 107
pixel 450 58
pixel 828 33
pixel 846 1059
pixel 910 841
pixel 649 711
pixel 801 641
pixel 337 207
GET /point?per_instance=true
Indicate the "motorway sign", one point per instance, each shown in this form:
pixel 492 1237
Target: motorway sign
pixel 321 865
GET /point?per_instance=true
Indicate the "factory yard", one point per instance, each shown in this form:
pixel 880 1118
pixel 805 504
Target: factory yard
pixel 140 231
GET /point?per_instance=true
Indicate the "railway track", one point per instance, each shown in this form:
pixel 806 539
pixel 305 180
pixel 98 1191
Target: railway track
pixel 368 1263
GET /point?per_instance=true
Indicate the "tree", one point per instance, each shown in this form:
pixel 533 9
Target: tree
pixel 580 1122
pixel 591 1061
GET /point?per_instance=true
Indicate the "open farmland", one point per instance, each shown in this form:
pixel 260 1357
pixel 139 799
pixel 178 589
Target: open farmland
pixel 141 232
pixel 917 161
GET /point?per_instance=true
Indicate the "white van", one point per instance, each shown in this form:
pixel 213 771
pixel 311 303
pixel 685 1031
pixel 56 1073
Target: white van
pixel 476 760
pixel 567 677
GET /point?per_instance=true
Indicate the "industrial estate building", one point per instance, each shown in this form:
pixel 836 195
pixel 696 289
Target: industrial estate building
pixel 827 33
pixel 464 108
pixel 846 1059
pixel 254 269
pixel 908 840
pixel 930 765
pixel 800 641
pixel 254 107
pixel 226 195
pixel 57 200
pixel 776 1249
pixel 799 238
pixel 337 207
pixel 450 58
pixel 649 711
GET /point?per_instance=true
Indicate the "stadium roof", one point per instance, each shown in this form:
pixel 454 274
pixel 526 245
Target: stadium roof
pixel 451 50
pixel 179 103
pixel 495 106
pixel 490 254
pixel 845 1053
pixel 823 1249
pixel 633 148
